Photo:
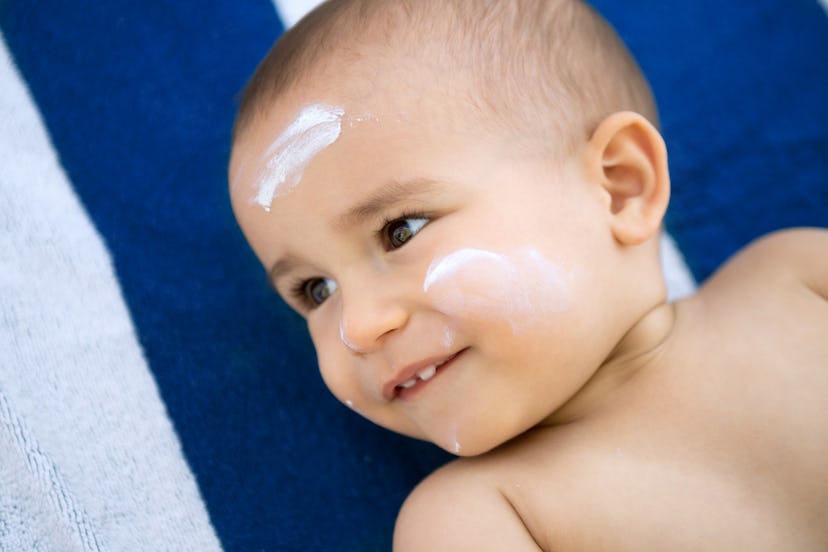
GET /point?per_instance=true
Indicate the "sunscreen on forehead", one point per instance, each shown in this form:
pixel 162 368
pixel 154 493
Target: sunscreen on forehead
pixel 316 127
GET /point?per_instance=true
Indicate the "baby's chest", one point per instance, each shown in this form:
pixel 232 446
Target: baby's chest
pixel 644 504
pixel 725 450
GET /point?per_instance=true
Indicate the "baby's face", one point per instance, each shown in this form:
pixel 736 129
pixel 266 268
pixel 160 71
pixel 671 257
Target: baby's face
pixel 451 280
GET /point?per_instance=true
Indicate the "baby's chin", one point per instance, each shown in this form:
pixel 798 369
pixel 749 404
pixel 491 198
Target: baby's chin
pixel 463 438
pixel 469 443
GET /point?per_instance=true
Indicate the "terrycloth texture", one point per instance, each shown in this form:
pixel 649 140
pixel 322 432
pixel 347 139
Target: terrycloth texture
pixel 137 99
pixel 88 458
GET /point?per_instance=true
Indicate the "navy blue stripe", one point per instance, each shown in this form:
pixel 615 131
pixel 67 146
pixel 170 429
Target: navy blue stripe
pixel 139 99
pixel 743 93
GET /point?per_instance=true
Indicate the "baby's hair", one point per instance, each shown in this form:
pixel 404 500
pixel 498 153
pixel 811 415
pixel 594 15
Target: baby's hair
pixel 552 68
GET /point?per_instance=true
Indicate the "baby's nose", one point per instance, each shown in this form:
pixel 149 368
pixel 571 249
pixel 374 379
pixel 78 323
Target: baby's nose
pixel 367 317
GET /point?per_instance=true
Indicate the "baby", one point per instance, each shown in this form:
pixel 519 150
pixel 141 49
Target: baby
pixel 463 198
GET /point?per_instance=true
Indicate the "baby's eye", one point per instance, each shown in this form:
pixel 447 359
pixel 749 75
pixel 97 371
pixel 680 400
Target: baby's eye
pixel 316 290
pixel 396 233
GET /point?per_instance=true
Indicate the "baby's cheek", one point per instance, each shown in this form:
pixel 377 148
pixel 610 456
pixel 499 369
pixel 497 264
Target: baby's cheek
pixel 334 368
pixel 519 289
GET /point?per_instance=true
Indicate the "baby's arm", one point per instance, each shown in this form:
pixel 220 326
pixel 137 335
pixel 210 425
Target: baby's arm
pixel 453 511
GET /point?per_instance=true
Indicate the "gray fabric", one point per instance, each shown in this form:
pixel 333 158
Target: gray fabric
pixel 88 457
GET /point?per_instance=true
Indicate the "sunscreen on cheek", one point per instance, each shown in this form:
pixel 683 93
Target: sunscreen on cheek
pixel 315 128
pixel 519 288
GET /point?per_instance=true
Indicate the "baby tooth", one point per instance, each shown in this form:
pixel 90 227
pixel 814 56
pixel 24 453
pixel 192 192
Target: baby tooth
pixel 428 373
pixel 409 384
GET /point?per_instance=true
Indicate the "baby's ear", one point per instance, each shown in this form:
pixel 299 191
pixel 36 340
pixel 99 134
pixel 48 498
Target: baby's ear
pixel 627 155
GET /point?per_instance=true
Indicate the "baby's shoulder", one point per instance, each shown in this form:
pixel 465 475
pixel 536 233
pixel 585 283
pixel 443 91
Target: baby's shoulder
pixel 510 498
pixel 784 261
pixel 463 506
pixel 769 298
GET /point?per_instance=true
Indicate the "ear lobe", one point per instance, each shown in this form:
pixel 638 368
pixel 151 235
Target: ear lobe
pixel 628 157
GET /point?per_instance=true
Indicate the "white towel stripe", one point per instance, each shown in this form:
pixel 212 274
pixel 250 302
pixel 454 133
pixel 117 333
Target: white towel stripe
pixel 291 11
pixel 88 457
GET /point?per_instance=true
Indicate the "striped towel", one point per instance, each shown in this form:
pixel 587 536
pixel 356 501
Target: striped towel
pixel 154 394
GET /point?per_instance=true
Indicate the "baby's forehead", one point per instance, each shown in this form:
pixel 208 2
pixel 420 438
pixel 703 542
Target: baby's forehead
pixel 375 112
pixel 326 154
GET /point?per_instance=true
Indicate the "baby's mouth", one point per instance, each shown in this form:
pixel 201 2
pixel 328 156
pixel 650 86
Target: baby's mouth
pixel 409 387
pixel 423 375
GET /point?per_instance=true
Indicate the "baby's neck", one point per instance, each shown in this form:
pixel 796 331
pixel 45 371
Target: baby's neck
pixel 638 351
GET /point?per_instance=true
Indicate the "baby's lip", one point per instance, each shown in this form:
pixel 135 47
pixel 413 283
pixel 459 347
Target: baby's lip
pixel 410 375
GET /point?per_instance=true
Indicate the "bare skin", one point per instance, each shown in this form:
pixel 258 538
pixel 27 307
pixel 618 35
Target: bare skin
pixel 717 443
pixel 614 421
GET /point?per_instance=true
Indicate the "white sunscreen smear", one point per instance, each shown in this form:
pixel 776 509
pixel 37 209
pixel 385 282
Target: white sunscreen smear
pixel 315 128
pixel 448 338
pixel 518 288
pixel 344 338
pixel 455 448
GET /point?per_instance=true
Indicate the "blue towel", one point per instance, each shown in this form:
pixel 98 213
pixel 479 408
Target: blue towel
pixel 154 393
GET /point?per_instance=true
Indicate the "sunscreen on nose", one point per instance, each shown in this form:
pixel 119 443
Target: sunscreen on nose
pixel 344 338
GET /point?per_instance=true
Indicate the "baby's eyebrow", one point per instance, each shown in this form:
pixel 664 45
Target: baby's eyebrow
pixel 382 198
pixel 279 269
pixel 368 208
